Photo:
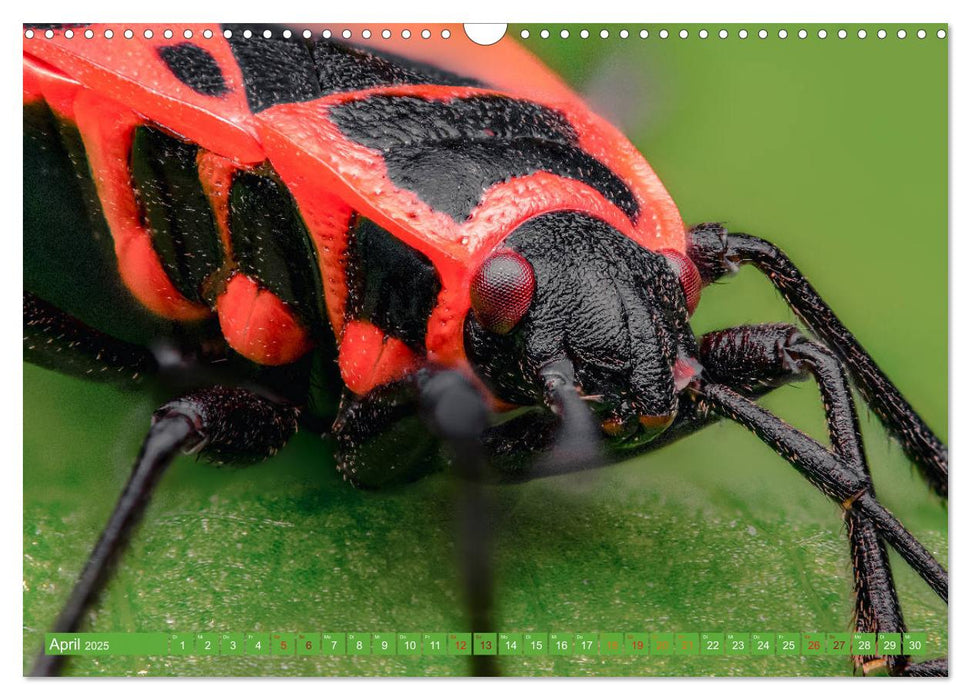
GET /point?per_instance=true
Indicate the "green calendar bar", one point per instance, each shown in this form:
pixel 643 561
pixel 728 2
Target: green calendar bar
pixel 460 644
pixel 712 644
pixel 207 644
pixel 434 644
pixel 612 644
pixel 258 644
pixel 888 643
pixel 485 644
pixel 813 644
pixel 915 644
pixel 839 644
pixel 409 644
pixel 737 644
pixel 536 643
pixel 358 644
pixel 510 644
pixel 561 644
pixel 763 644
pixel 864 643
pixel 283 644
pixel 232 644
pixel 107 644
pixel 638 643
pixel 488 643
pixel 662 643
pixel 586 644
pixel 333 643
pixel 308 644
pixel 687 644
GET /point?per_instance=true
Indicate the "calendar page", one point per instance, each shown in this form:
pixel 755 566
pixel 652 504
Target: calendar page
pixel 527 350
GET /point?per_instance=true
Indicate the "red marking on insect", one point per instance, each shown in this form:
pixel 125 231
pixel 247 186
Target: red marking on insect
pixel 502 291
pixel 688 276
pixel 369 357
pixel 258 325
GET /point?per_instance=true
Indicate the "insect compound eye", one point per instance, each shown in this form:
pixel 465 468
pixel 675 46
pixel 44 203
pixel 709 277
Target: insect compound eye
pixel 688 276
pixel 502 291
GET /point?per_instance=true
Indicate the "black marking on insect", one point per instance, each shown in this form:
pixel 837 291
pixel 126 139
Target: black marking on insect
pixel 195 67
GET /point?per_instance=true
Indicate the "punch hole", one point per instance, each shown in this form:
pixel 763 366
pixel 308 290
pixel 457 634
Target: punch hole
pixel 861 33
pixel 742 33
pixel 69 33
pixel 109 34
pixel 405 33
pixel 901 34
pixel 683 34
pixel 366 34
pixel 564 34
pixel 307 33
pixel 49 34
pixel 267 34
pixel 841 33
pixel 584 33
pixel 425 34
pixel 326 34
pixel 723 34
pixel 29 34
pixel 921 34
pixel 803 33
pixel 604 34
pixel 247 34
pixel 644 34
pixel 882 34
pixel 703 34
pixel 148 34
pixel 524 34
pixel 783 34
pixel 485 34
pixel 88 34
pixel 346 33
pixel 168 34
pixel 624 33
pixel 941 33
pixel 821 34
pixel 446 33
pixel 228 33
pixel 187 34
pixel 763 34
pixel 544 34
pixel 663 33
pixel 287 34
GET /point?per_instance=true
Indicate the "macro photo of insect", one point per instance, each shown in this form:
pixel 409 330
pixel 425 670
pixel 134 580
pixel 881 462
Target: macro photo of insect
pixel 575 351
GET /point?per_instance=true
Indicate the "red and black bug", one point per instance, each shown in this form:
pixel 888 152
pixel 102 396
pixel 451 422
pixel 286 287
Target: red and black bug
pixel 434 239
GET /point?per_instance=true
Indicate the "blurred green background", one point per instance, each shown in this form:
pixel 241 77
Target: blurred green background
pixel 836 150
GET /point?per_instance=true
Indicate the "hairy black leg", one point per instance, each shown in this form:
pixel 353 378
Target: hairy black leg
pixel 828 473
pixel 225 424
pixel 717 253
pixel 747 356
pixel 393 435
pixel 58 341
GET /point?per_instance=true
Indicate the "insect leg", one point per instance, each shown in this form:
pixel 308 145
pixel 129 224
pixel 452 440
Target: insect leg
pixel 58 341
pixel 226 424
pixel 771 353
pixel 833 475
pixel 717 253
